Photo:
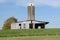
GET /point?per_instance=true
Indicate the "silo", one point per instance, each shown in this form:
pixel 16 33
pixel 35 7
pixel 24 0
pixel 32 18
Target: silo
pixel 31 12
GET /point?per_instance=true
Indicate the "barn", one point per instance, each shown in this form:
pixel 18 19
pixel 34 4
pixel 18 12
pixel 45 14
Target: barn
pixel 30 23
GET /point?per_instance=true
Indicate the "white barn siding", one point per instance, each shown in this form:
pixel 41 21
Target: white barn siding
pixel 15 26
pixel 25 25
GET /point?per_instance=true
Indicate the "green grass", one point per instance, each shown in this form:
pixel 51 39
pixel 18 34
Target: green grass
pixel 29 32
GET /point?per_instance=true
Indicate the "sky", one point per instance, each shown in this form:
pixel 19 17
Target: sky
pixel 45 10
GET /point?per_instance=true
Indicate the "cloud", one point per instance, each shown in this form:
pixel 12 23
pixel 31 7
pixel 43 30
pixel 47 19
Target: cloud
pixel 53 3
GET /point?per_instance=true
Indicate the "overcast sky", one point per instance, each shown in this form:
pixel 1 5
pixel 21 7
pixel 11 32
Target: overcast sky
pixel 45 10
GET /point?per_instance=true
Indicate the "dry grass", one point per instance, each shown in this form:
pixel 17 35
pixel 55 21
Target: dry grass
pixel 31 38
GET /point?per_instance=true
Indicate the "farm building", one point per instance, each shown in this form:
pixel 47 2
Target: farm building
pixel 30 23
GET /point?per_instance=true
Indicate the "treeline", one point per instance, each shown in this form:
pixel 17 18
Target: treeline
pixel 7 23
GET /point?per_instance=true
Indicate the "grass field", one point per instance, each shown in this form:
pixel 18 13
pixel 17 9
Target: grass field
pixel 29 32
pixel 32 38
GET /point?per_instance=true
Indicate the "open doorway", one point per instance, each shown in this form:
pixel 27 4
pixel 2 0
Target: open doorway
pixel 37 25
pixel 31 26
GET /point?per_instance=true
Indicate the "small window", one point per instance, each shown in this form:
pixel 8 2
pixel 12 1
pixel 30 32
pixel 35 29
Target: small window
pixel 19 24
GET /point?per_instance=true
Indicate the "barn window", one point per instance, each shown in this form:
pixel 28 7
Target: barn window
pixel 20 26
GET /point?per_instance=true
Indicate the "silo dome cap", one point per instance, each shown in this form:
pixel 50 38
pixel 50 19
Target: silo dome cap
pixel 31 4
